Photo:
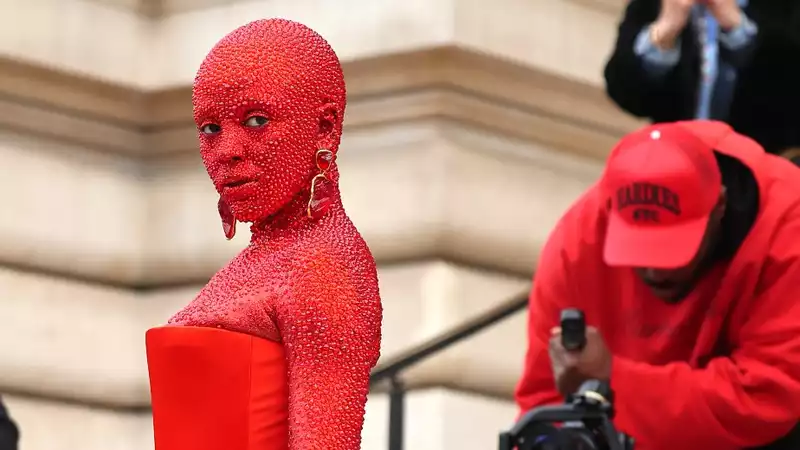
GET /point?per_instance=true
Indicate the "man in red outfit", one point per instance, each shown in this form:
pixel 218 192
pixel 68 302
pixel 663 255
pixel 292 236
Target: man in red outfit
pixel 685 258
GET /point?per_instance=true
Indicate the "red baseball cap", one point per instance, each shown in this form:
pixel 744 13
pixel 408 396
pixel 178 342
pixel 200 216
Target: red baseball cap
pixel 661 184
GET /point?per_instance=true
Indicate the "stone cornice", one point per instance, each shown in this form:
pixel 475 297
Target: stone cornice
pixel 150 8
pixel 614 7
pixel 155 9
pixel 450 131
pixel 443 82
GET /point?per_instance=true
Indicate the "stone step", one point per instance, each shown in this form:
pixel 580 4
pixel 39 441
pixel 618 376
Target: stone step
pixel 83 342
pixel 435 419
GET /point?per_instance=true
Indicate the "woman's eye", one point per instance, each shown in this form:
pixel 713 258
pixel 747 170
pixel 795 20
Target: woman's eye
pixel 256 121
pixel 210 128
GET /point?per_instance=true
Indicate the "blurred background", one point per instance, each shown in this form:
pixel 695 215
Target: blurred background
pixel 470 128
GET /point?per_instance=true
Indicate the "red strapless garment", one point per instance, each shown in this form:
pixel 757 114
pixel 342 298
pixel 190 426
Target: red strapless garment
pixel 217 390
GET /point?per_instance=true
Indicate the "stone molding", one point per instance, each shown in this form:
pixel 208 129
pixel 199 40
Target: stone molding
pixel 615 7
pixel 445 82
pixel 482 127
pixel 438 421
pixel 155 9
pixel 84 344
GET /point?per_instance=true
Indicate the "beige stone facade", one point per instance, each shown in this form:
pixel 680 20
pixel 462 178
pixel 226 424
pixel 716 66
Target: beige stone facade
pixel 480 124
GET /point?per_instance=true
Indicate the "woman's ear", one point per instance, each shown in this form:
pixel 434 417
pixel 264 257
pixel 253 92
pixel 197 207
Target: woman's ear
pixel 329 132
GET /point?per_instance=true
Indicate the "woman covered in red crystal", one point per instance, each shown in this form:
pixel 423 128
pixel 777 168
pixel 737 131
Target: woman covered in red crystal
pixel 275 352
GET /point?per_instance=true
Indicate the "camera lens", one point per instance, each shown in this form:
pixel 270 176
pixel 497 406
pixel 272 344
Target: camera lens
pixel 546 438
pixel 563 440
pixel 577 440
pixel 545 443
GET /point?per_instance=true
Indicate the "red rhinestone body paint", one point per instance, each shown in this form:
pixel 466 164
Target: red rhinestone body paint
pixel 267 97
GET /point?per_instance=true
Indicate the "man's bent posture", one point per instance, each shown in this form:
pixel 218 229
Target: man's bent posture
pixel 685 258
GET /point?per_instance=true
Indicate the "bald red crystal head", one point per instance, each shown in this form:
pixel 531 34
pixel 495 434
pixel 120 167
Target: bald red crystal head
pixel 266 98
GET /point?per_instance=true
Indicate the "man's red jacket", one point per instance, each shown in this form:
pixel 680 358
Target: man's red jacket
pixel 719 370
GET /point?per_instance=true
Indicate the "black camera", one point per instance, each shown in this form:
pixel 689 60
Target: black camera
pixel 585 424
pixel 585 418
pixel 573 330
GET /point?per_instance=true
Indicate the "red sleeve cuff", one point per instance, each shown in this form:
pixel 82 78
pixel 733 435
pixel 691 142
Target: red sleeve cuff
pixel 622 370
pixel 627 379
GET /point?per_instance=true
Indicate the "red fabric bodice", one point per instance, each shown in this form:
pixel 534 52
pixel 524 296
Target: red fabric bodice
pixel 217 390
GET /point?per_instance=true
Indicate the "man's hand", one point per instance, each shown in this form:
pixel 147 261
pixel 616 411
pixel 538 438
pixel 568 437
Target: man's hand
pixel 571 369
pixel 671 21
pixel 727 13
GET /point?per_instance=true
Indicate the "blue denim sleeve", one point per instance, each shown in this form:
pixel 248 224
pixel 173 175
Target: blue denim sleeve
pixel 739 37
pixel 656 62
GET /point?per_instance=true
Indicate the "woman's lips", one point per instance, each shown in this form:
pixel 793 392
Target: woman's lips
pixel 237 183
pixel 239 188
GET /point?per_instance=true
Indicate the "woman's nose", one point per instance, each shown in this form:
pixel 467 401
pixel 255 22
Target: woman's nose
pixel 232 157
pixel 230 151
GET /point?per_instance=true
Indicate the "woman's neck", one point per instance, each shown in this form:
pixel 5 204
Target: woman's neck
pixel 292 221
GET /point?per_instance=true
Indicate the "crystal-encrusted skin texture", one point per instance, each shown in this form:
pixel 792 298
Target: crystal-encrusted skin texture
pixel 266 98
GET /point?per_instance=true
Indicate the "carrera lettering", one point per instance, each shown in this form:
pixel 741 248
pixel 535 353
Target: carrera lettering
pixel 646 215
pixel 648 195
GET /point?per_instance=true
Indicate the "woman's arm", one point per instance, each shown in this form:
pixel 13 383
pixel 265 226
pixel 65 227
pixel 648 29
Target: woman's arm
pixel 331 332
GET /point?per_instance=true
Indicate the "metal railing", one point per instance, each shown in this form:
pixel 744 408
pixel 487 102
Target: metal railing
pixel 390 371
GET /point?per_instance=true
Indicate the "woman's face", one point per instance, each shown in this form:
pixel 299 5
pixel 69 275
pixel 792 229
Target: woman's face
pixel 257 139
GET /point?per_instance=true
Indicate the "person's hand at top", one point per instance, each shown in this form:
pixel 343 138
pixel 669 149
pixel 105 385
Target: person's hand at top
pixel 671 21
pixel 727 12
